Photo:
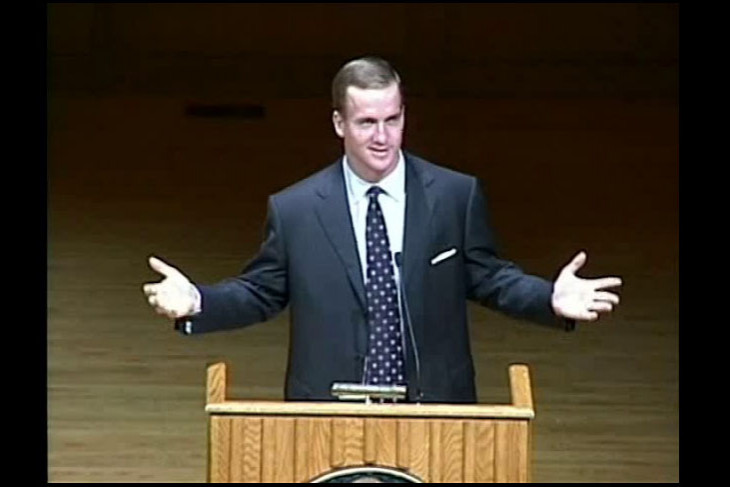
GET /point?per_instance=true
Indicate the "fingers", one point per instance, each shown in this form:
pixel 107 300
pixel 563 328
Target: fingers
pixel 603 302
pixel 150 289
pixel 600 306
pixel 168 313
pixel 590 311
pixel 163 307
pixel 158 298
pixel 158 266
pixel 606 296
pixel 578 261
pixel 606 282
pixel 586 316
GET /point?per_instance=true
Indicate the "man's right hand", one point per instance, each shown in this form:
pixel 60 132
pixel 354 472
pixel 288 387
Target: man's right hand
pixel 174 296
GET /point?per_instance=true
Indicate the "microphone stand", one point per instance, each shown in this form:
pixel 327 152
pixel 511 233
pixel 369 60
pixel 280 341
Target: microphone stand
pixel 398 257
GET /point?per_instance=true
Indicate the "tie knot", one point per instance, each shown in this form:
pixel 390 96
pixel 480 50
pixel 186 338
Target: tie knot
pixel 374 191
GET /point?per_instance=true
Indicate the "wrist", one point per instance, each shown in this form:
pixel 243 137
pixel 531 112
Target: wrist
pixel 197 307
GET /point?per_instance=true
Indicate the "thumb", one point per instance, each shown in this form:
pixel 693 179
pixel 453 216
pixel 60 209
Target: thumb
pixel 159 266
pixel 578 261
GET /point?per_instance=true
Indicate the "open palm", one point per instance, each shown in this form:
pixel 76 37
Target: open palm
pixel 582 299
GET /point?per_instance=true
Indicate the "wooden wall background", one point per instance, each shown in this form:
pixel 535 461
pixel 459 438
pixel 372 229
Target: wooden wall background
pixel 567 112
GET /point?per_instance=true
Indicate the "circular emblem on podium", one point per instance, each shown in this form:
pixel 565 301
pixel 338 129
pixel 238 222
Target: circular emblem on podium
pixel 367 475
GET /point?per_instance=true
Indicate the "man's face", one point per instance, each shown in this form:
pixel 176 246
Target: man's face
pixel 372 130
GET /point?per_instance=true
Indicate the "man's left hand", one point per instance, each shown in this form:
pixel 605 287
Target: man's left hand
pixel 582 299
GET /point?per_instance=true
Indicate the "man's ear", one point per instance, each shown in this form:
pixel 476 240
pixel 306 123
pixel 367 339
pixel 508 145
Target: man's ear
pixel 338 123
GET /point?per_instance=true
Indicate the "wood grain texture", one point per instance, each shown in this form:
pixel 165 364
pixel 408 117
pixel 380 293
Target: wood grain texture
pixel 252 443
pixel 419 446
pixel 452 445
pixel 403 453
pixel 358 409
pixel 304 431
pixel 484 452
pixel 284 451
pixel 530 444
pixel 435 456
pixel 469 463
pixel 321 446
pixel 268 450
pixel 217 383
pixel 387 442
pixel 339 436
pixel 370 450
pixel 510 451
pixel 354 441
pixel 318 446
pixel 237 450
pixel 520 386
pixel 220 449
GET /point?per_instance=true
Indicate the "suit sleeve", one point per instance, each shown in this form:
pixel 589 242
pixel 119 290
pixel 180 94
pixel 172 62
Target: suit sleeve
pixel 257 294
pixel 500 284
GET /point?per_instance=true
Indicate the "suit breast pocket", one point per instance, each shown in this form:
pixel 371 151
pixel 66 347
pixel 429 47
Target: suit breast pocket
pixel 444 255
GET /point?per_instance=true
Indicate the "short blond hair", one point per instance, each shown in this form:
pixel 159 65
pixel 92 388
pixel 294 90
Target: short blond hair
pixel 365 73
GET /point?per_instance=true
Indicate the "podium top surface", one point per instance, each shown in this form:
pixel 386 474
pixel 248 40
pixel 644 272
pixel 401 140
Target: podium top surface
pixel 218 402
pixel 305 408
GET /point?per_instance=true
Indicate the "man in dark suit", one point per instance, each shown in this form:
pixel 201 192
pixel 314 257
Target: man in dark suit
pixel 377 255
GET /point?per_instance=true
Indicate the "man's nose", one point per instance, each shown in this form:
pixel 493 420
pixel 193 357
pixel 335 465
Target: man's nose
pixel 381 135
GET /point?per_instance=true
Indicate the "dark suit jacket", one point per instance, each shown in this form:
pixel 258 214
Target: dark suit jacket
pixel 309 261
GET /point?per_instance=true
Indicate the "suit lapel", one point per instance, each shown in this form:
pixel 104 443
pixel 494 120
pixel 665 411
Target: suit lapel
pixel 420 207
pixel 333 211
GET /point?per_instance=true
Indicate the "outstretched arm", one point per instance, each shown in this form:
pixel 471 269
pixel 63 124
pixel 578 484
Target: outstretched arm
pixel 255 295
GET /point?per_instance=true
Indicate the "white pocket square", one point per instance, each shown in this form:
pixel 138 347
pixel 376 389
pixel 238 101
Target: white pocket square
pixel 443 256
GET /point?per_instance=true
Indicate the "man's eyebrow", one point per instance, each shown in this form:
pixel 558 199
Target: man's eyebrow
pixel 367 118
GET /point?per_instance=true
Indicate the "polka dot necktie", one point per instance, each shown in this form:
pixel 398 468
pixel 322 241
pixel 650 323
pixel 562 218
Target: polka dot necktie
pixel 385 352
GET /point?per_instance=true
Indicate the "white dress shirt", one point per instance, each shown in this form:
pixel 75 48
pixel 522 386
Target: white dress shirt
pixel 392 202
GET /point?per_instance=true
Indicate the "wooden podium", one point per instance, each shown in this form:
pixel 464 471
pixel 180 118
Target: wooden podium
pixel 273 441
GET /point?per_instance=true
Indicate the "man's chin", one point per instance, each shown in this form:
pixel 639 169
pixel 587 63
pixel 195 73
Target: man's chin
pixel 381 167
pixel 374 168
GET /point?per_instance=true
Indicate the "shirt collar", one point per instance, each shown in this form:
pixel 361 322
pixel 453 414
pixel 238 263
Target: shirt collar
pixel 394 184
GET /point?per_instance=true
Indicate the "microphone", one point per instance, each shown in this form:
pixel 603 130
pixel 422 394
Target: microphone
pixel 398 257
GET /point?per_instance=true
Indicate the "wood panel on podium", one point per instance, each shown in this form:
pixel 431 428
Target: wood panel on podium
pixel 274 441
